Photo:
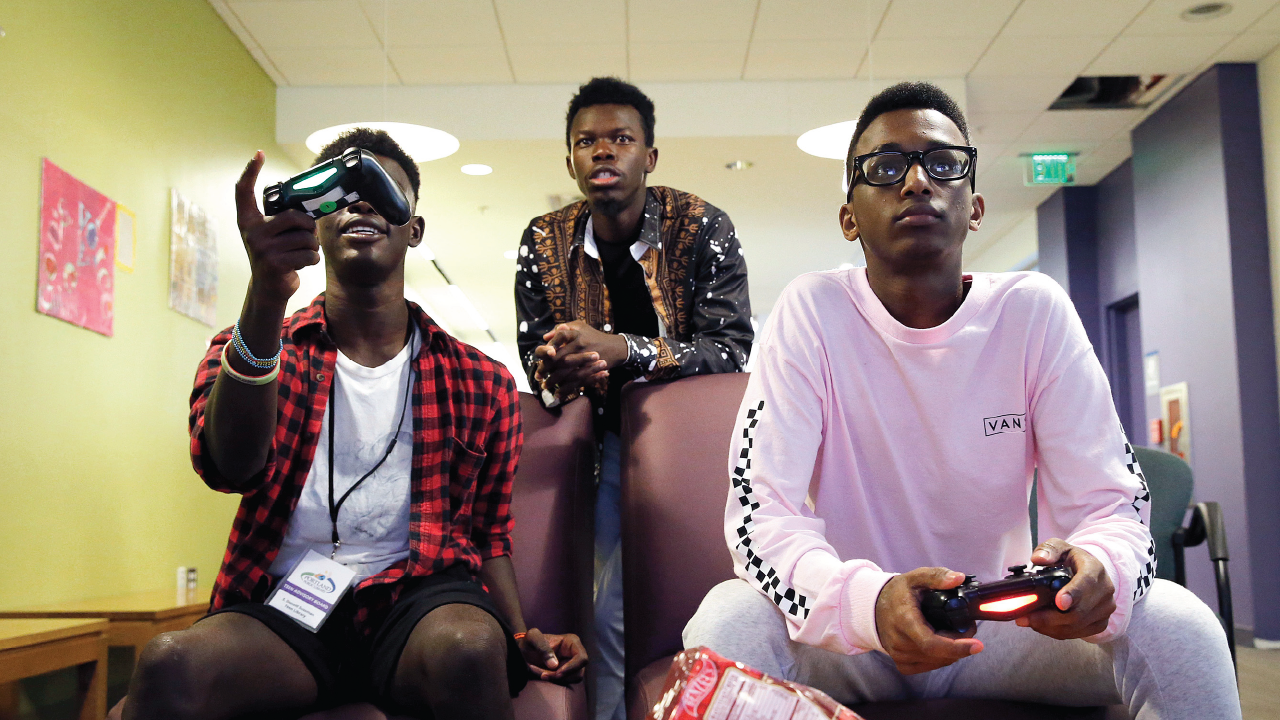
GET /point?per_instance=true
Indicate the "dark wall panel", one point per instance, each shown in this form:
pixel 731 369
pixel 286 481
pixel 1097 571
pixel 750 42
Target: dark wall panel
pixel 1199 216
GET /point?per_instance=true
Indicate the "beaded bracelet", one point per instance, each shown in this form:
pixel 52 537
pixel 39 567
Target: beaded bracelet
pixel 243 348
pixel 247 379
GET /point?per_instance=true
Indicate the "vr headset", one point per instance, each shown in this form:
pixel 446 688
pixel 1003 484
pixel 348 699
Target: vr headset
pixel 330 186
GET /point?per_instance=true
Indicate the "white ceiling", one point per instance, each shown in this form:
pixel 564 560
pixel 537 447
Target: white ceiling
pixel 732 79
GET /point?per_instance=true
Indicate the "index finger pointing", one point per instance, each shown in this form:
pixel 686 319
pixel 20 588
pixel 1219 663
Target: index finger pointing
pixel 247 213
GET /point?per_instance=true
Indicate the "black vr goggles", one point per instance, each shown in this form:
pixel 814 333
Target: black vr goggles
pixel 330 186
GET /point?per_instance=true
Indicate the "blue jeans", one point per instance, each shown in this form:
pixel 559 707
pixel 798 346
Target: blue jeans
pixel 610 665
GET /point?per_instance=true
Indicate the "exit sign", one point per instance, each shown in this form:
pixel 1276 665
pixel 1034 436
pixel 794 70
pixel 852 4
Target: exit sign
pixel 1050 169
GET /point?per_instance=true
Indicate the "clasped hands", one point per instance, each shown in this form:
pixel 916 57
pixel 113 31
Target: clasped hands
pixel 1087 601
pixel 576 355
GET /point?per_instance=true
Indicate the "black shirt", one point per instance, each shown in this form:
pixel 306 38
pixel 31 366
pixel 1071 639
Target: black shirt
pixel 633 313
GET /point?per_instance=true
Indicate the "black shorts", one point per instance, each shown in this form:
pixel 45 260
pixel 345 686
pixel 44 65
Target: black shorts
pixel 350 667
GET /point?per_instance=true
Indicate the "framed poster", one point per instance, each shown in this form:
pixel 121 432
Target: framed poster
pixel 193 261
pixel 1176 414
pixel 76 275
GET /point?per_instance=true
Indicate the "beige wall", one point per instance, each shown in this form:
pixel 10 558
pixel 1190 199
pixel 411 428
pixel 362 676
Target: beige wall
pixel 133 98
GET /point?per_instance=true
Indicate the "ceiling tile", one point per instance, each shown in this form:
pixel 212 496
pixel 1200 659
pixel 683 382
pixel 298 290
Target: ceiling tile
pixel 802 59
pixel 684 61
pixel 671 21
pixel 576 63
pixel 902 59
pixel 295 24
pixel 1163 17
pixel 1268 23
pixel 845 20
pixel 1078 147
pixel 999 128
pixel 1018 94
pixel 1248 47
pixel 1081 17
pixel 1156 54
pixel 1092 167
pixel 910 19
pixel 1044 55
pixel 350 67
pixel 444 65
pixel 1092 125
pixel 565 22
pixel 427 23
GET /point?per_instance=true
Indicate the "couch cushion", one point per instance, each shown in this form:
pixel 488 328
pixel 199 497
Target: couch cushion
pixel 646 689
pixel 675 481
pixel 538 701
pixel 553 502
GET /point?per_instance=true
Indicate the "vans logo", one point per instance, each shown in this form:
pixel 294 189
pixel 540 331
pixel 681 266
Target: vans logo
pixel 1004 424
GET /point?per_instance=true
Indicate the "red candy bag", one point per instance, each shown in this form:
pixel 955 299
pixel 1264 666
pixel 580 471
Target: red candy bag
pixel 702 685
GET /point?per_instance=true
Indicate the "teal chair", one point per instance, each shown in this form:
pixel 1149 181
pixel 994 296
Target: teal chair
pixel 1169 480
pixel 1170 484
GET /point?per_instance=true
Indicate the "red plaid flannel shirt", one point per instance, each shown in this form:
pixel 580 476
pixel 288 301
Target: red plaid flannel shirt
pixel 467 438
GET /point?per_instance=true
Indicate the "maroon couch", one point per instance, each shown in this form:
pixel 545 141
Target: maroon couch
pixel 675 482
pixel 553 501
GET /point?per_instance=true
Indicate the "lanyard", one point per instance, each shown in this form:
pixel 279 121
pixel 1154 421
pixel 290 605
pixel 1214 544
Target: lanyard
pixel 333 420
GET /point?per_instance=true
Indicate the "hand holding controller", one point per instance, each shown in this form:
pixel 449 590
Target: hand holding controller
pixel 1019 594
pixel 334 184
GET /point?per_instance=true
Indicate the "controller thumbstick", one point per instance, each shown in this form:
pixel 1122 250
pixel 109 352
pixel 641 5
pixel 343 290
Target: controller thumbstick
pixel 1018 570
pixel 968 579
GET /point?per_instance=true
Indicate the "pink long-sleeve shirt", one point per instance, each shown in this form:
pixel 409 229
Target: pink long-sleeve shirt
pixel 865 448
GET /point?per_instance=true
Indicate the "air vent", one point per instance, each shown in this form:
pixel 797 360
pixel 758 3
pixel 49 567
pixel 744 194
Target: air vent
pixel 1113 92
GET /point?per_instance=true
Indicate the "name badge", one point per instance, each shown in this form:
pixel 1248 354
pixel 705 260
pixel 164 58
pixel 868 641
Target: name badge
pixel 310 592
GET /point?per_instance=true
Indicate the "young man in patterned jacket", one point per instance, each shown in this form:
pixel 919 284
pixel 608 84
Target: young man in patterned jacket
pixel 630 284
pixel 362 435
pixel 885 447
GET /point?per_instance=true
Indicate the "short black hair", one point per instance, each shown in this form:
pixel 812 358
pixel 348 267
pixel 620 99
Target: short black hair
pixel 377 142
pixel 611 91
pixel 907 96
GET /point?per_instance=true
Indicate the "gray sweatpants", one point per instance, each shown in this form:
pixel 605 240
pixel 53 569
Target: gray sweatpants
pixel 1173 661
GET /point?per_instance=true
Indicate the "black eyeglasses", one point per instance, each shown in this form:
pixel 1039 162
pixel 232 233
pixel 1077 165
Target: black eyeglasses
pixel 949 162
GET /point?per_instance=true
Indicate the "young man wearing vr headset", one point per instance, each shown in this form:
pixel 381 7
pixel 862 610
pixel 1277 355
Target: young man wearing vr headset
pixel 632 283
pixel 865 448
pixel 369 447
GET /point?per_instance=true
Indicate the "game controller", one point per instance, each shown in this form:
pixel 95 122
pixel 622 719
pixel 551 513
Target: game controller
pixel 332 185
pixel 1021 593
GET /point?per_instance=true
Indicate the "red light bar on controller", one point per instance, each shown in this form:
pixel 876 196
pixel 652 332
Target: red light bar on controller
pixel 1008 604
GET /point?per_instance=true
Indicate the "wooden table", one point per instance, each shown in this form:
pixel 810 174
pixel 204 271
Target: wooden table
pixel 134 619
pixel 35 647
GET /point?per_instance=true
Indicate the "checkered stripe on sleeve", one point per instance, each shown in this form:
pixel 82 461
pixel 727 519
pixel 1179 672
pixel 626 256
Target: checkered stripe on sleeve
pixel 762 574
pixel 1148 572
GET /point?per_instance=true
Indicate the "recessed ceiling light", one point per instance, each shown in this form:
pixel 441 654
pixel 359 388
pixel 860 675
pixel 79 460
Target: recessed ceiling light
pixel 476 169
pixel 829 141
pixel 422 143
pixel 1206 11
pixel 511 254
pixel 738 165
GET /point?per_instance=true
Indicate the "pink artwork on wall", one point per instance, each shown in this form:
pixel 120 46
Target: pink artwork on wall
pixel 76 279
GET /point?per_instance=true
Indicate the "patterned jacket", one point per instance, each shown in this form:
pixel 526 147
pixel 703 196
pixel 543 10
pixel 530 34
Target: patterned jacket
pixel 693 267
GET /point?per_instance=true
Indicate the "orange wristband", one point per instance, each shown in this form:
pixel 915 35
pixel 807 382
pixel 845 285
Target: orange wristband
pixel 519 636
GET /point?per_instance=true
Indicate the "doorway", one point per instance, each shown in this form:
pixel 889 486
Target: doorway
pixel 1124 367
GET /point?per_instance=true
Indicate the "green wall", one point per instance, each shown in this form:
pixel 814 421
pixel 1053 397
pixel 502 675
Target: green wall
pixel 97 495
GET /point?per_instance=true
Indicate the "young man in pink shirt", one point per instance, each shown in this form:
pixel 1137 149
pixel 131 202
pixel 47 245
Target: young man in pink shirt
pixel 865 448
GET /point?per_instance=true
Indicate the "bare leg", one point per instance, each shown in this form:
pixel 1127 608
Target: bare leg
pixel 455 666
pixel 219 668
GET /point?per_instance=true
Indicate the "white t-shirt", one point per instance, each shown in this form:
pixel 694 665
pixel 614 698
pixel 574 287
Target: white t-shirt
pixel 373 523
